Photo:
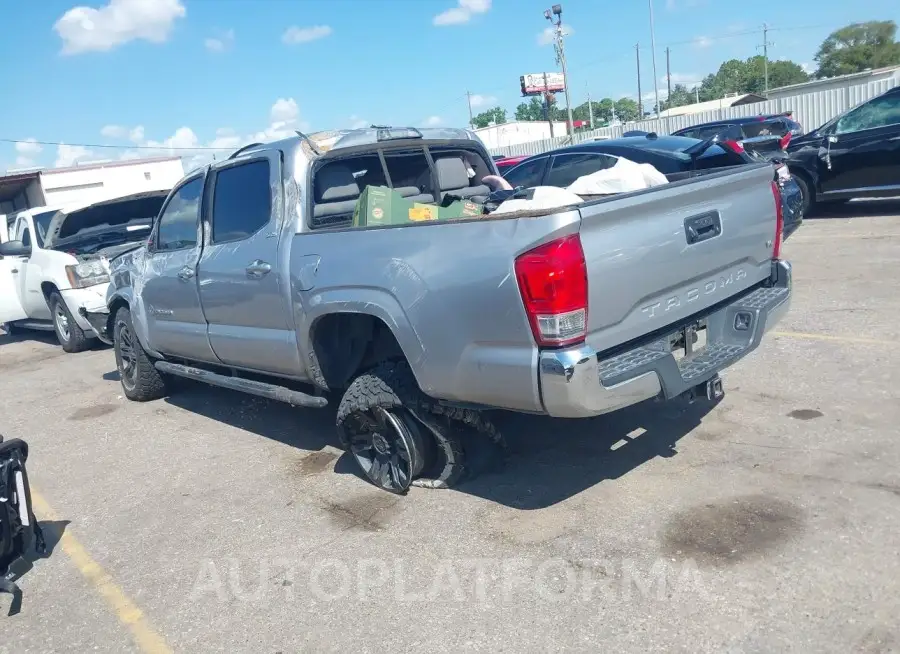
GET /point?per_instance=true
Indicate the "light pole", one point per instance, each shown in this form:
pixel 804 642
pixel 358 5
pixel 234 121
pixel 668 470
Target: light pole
pixel 556 10
pixel 653 54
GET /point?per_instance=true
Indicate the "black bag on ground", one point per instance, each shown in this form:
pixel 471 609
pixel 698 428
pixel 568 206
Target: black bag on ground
pixel 19 530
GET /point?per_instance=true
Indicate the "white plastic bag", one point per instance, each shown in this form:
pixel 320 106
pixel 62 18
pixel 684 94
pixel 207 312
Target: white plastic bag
pixel 545 197
pixel 625 176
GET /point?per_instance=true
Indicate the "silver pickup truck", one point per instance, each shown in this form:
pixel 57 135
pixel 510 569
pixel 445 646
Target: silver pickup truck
pixel 255 279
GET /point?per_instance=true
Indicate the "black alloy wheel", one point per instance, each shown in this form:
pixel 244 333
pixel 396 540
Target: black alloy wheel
pixel 388 447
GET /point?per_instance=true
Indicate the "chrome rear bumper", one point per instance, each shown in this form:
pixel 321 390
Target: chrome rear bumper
pixel 577 383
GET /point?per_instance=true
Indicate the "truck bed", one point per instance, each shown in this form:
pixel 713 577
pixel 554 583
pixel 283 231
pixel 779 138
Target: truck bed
pixel 449 293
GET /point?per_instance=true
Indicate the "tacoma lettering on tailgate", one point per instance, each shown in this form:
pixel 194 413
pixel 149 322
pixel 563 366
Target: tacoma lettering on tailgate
pixel 713 286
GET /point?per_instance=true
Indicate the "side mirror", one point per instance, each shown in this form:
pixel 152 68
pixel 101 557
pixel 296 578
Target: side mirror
pixel 14 249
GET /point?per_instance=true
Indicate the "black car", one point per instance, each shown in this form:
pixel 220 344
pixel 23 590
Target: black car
pixel 855 155
pixel 764 134
pixel 676 157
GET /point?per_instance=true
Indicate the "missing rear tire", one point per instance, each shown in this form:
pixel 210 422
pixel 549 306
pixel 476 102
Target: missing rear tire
pixel 392 387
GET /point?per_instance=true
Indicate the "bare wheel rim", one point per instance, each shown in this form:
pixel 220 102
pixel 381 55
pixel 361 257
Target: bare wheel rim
pixel 386 450
pixel 62 322
pixel 126 356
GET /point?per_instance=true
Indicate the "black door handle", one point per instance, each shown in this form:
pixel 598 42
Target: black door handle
pixel 702 227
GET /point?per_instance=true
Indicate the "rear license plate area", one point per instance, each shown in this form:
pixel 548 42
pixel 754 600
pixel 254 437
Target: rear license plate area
pixel 689 341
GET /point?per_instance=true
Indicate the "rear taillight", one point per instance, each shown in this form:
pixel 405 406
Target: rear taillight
pixel 785 141
pixel 552 279
pixel 735 146
pixel 779 220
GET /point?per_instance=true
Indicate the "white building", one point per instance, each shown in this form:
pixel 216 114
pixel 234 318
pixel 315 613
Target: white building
pixel 87 183
pixel 519 131
pixel 731 100
pixel 840 82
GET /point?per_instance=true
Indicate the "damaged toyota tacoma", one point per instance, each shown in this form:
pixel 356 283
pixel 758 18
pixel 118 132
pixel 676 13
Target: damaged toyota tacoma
pixel 258 277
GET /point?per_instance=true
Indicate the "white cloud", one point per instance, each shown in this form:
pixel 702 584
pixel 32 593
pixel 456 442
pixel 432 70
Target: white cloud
pixel 284 110
pixel 358 123
pixel 85 29
pixel 133 134
pixel 25 162
pixel 284 121
pixel 69 155
pixel 702 42
pixel 294 34
pixel 482 100
pixel 548 35
pixel 462 13
pixel 29 147
pixel 433 121
pixel 226 138
pixel 221 42
pixel 808 69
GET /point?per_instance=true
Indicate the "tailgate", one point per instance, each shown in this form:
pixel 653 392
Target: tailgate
pixel 658 256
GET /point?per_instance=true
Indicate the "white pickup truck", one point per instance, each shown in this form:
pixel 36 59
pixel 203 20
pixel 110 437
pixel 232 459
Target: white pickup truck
pixel 54 265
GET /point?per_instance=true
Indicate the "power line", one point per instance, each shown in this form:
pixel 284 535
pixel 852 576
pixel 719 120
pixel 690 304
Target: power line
pixel 107 145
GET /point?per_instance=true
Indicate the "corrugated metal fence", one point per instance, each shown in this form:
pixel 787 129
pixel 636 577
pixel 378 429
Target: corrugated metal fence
pixel 809 109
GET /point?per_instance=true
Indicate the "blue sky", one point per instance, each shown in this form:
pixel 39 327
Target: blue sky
pixel 163 74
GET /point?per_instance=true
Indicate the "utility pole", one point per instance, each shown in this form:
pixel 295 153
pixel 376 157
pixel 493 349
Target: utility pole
pixel 590 107
pixel 637 50
pixel 471 119
pixel 765 48
pixel 556 10
pixel 547 113
pixel 653 53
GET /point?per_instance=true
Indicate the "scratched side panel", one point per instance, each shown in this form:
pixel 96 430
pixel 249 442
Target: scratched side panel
pixel 643 275
pixel 447 291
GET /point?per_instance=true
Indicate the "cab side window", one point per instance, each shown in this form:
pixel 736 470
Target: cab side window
pixel 876 113
pixel 527 174
pixel 242 201
pixel 178 223
pixel 566 168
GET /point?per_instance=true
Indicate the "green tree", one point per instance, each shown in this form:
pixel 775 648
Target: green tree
pixel 603 112
pixel 627 110
pixel 857 47
pixel 494 115
pixel 749 76
pixel 680 96
pixel 534 110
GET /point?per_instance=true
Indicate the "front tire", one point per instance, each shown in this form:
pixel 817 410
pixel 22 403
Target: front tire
pixel 807 194
pixel 141 381
pixel 70 336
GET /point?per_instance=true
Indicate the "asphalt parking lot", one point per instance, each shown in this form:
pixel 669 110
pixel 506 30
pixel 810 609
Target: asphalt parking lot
pixel 211 521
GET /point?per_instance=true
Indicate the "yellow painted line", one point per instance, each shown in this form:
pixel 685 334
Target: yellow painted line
pixel 839 339
pixel 127 612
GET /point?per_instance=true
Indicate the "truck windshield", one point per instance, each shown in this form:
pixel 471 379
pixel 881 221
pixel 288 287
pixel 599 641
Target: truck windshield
pixel 41 225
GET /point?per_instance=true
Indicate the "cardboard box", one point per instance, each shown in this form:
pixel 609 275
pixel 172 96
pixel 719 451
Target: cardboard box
pixel 380 205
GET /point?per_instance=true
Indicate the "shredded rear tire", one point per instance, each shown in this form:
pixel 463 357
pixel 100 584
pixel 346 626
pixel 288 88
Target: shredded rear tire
pixel 392 386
